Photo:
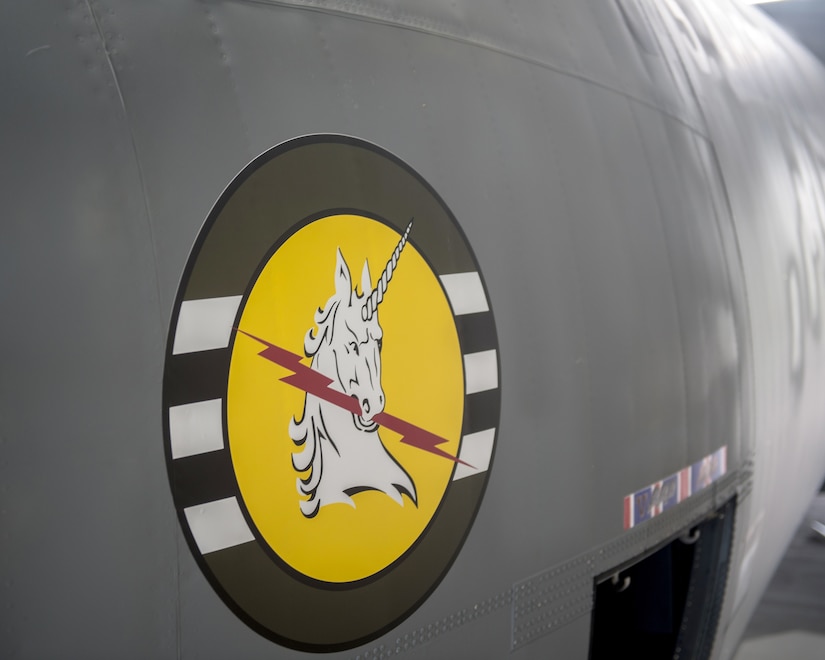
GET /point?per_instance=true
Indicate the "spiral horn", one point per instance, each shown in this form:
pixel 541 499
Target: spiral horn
pixel 380 289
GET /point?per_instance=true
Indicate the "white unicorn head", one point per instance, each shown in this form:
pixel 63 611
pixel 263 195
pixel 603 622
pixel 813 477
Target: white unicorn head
pixel 341 451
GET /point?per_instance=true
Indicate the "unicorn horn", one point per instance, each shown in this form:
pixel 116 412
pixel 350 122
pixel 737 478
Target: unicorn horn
pixel 380 289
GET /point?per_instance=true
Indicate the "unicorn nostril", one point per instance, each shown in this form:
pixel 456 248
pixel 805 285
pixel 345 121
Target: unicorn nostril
pixel 381 399
pixel 365 406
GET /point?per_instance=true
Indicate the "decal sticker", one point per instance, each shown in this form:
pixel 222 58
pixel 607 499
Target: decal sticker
pixel 648 502
pixel 331 393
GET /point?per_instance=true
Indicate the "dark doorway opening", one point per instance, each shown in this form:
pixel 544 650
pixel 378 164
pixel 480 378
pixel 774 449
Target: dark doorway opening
pixel 667 603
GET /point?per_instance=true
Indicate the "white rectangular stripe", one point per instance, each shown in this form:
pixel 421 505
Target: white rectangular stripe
pixel 465 292
pixel 196 428
pixel 218 525
pixel 476 450
pixel 632 521
pixel 480 371
pixel 205 324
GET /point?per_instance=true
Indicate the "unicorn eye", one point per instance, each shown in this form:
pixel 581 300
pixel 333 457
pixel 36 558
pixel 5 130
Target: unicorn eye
pixel 354 346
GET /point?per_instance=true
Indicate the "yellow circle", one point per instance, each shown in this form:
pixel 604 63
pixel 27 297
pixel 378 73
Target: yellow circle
pixel 421 373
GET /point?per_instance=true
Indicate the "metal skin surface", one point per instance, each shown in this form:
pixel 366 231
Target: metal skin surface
pixel 643 185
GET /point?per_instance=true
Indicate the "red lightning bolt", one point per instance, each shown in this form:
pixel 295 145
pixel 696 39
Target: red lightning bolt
pixel 313 382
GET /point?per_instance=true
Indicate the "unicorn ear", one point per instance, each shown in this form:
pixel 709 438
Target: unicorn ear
pixel 366 280
pixel 343 280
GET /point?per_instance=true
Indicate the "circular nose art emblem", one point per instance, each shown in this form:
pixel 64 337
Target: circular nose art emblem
pixel 331 393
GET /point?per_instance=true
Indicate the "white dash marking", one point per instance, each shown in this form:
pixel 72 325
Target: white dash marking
pixel 205 324
pixel 466 293
pixel 480 371
pixel 218 525
pixel 196 428
pixel 476 450
pixel 38 49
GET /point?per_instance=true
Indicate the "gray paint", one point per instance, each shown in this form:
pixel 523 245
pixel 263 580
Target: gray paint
pixel 630 210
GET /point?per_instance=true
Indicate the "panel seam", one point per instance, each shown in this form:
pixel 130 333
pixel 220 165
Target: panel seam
pixel 150 228
pixel 406 24
pixel 133 142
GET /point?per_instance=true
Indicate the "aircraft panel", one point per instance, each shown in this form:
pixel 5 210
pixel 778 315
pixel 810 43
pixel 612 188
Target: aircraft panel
pixel 708 335
pixel 83 493
pixel 331 86
pixel 623 251
pixel 786 353
pixel 193 143
pixel 740 344
pixel 662 87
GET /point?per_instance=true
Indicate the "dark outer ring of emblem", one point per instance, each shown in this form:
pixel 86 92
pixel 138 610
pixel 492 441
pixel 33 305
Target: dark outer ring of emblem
pixel 276 191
